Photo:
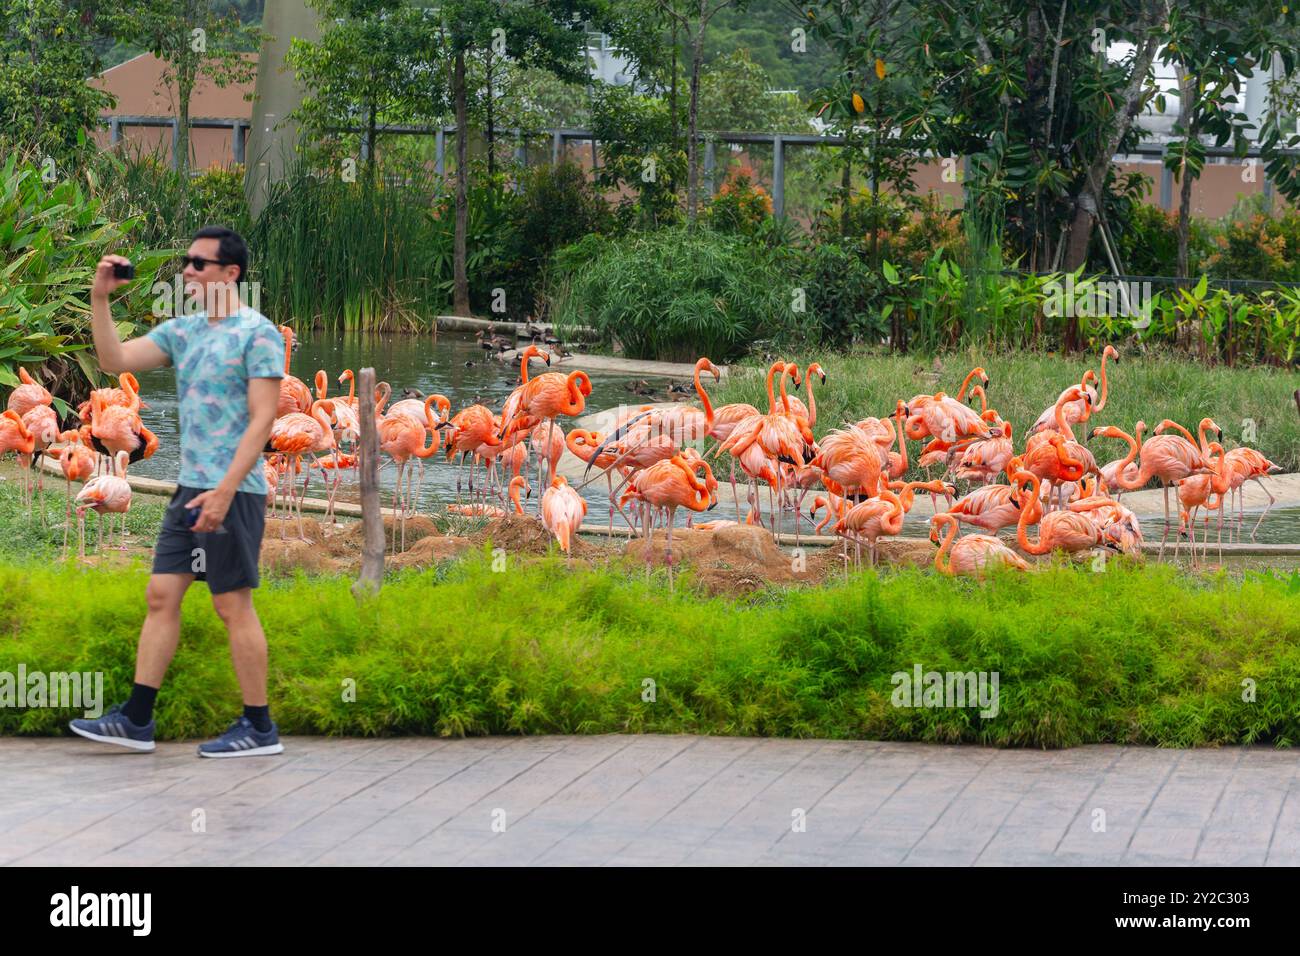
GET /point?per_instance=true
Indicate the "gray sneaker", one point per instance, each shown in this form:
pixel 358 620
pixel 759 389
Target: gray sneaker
pixel 115 728
pixel 243 740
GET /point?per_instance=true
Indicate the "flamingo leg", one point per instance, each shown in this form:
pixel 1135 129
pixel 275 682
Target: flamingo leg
pixel 1271 502
pixel 668 553
pixel 67 516
pixel 609 485
pixel 1164 537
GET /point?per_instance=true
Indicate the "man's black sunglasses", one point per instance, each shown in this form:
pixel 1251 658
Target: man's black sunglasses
pixel 200 263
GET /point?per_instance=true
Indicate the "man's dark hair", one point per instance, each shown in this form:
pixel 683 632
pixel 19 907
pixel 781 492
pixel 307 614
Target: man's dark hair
pixel 232 247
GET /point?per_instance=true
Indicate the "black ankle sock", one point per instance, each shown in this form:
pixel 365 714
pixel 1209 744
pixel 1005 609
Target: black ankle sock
pixel 139 709
pixel 259 717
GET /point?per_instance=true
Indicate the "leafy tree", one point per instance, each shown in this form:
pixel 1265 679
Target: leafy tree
pixel 194 38
pixel 45 102
pixel 549 34
pixel 692 17
pixel 640 155
pixel 377 62
pixel 736 95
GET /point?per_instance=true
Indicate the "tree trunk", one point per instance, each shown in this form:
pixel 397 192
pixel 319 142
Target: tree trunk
pixel 1186 93
pixel 692 147
pixel 460 293
pixel 1088 202
pixel 672 88
pixel 491 128
pixel 184 90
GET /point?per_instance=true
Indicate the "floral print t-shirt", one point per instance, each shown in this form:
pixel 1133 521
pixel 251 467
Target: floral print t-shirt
pixel 213 362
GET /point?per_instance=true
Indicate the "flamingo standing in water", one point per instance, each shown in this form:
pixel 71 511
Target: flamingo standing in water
pixel 403 438
pixel 586 445
pixel 778 436
pixel 1247 464
pixel 298 434
pixel 541 400
pixel 548 448
pixel 105 494
pixel 882 515
pixel 993 507
pixel 294 394
pixel 471 428
pixel 1068 531
pixel 1169 458
pixel 1194 493
pixel 562 512
pixel 973 555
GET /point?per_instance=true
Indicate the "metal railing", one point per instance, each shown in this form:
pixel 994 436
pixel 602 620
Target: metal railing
pixel 238 130
pixel 561 137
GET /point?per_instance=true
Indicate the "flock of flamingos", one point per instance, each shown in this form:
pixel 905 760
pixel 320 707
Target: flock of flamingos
pixel 650 464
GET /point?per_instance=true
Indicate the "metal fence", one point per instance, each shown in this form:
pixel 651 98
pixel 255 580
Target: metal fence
pixel 561 137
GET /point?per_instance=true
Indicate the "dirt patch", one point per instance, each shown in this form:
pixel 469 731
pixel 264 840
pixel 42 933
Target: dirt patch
pixel 523 535
pixel 430 550
pixel 351 537
pixel 733 558
pixel 743 558
pixel 291 554
pixel 279 527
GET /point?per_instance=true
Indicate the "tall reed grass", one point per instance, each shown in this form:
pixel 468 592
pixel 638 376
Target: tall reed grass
pixel 347 256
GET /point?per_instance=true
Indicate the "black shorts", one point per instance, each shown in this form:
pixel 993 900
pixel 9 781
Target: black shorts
pixel 227 560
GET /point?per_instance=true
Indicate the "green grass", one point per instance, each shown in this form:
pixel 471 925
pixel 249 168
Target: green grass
pixel 24 537
pixel 1142 387
pixel 1132 655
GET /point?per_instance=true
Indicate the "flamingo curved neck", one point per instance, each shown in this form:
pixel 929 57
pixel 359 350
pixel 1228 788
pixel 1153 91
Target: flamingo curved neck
pixel 1022 536
pixel 1101 402
pixel 961 392
pixel 1062 425
pixel 943 559
pixel 771 376
pixel 704 400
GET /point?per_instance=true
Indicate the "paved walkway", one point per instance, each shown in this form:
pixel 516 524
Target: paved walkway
pixel 646 800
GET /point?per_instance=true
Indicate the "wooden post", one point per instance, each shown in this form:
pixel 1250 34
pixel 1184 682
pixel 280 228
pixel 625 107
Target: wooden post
pixel 1297 399
pixel 372 518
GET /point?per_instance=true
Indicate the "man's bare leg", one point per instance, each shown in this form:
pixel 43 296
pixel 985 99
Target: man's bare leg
pixel 161 630
pixel 247 642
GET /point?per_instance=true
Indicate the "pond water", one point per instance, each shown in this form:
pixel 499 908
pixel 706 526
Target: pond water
pixel 454 366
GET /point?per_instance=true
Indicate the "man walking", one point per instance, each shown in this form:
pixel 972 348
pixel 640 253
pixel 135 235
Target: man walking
pixel 228 360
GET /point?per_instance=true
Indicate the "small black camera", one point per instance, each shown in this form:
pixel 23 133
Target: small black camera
pixel 121 271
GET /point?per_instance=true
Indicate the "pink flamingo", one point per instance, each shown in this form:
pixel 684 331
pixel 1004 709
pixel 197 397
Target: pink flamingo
pixel 562 512
pixel 16 437
pixel 105 494
pixel 28 394
pixel 77 461
pixel 294 394
pixel 974 555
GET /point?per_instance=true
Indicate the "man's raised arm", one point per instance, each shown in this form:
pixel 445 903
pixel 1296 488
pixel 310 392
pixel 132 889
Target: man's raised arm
pixel 114 355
